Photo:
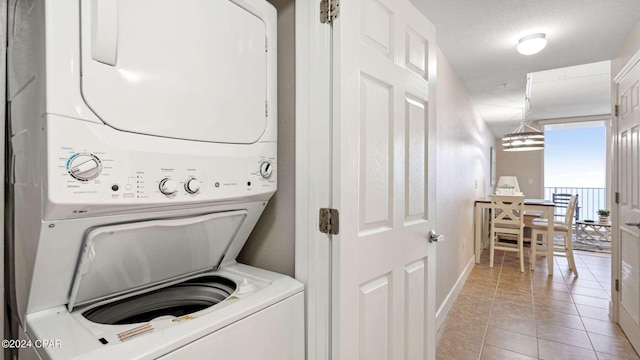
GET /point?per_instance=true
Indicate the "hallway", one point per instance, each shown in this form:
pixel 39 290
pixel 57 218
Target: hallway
pixel 502 313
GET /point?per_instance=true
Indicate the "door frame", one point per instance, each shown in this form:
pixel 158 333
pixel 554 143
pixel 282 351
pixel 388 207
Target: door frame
pixel 614 161
pixel 313 169
pixel 314 174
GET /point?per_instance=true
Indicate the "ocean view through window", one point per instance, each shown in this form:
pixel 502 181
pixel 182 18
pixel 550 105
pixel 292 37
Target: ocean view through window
pixel 575 163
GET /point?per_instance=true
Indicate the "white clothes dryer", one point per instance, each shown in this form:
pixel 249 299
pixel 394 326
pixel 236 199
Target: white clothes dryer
pixel 143 152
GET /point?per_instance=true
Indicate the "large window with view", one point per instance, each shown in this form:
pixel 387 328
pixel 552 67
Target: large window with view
pixel 575 163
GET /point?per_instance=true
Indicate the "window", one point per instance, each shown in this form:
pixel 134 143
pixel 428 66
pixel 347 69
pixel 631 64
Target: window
pixel 575 163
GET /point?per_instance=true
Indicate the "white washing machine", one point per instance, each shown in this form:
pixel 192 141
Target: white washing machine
pixel 143 152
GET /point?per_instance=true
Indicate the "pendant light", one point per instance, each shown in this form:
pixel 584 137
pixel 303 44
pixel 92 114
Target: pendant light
pixel 524 137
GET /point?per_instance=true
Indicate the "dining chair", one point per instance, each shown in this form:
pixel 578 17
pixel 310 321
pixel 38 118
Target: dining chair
pixel 563 228
pixel 561 202
pixel 507 219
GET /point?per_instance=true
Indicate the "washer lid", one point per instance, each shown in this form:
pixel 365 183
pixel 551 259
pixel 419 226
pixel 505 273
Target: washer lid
pixel 123 258
pixel 192 69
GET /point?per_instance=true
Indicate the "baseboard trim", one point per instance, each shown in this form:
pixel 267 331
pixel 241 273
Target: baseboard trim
pixel 442 312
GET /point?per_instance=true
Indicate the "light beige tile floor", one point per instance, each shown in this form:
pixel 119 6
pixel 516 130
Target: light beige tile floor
pixel 502 313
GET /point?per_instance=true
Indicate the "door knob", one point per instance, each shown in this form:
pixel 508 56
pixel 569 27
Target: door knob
pixel 433 237
pixel 633 224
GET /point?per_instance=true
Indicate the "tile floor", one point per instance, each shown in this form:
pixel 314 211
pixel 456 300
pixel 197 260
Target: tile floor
pixel 502 313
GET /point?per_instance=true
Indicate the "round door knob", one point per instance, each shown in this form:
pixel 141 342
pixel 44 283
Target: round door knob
pixel 192 185
pixel 168 186
pixel 84 167
pixel 266 169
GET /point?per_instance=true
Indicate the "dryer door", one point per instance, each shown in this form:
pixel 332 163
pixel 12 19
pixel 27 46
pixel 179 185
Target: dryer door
pixel 189 69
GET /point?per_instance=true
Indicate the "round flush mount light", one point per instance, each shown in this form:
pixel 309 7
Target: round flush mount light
pixel 532 44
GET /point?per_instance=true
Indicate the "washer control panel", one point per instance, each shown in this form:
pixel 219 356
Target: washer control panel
pixel 86 173
pixel 98 175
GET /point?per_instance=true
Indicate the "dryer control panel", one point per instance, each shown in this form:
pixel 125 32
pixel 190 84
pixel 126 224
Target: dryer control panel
pixel 94 167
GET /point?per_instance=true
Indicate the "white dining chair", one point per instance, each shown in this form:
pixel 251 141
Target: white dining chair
pixel 563 228
pixel 507 219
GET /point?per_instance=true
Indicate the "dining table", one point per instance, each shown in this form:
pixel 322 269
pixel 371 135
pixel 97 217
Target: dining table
pixel 481 207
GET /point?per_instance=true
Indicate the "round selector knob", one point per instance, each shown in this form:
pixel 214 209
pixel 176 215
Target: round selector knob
pixel 192 185
pixel 84 167
pixel 266 169
pixel 168 186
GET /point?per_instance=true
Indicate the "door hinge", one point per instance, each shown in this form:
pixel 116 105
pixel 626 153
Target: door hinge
pixel 616 109
pixel 266 109
pixel 617 197
pixel 617 285
pixel 329 221
pixel 329 10
pixel 266 44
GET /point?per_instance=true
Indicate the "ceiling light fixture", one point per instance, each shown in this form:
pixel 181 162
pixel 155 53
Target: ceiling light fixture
pixel 524 137
pixel 532 44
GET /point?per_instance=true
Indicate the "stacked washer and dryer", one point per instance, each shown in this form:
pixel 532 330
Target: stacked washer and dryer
pixel 143 152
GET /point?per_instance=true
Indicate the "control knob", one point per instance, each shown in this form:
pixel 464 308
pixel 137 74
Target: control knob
pixel 266 169
pixel 192 185
pixel 84 167
pixel 168 186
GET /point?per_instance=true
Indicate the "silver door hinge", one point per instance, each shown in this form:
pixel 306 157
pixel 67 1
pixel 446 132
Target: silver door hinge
pixel 329 221
pixel 617 197
pixel 617 285
pixel 329 10
pixel 266 109
pixel 266 44
pixel 616 109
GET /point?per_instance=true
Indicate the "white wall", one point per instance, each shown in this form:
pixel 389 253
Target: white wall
pixel 527 166
pixel 463 147
pixel 271 245
pixel 630 46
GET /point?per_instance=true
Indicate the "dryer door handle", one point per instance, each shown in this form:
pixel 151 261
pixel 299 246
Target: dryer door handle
pixel 104 31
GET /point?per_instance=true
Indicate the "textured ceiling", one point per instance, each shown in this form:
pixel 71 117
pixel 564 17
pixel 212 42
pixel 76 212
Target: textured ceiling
pixel 581 90
pixel 479 37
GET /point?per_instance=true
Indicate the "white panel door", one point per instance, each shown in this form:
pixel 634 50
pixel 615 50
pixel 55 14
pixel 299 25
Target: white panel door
pixel 383 183
pixel 629 204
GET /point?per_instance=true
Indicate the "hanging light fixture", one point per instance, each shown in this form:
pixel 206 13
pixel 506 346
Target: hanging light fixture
pixel 524 137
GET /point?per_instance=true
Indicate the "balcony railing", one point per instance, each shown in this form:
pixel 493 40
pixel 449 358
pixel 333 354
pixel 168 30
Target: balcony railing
pixel 590 200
